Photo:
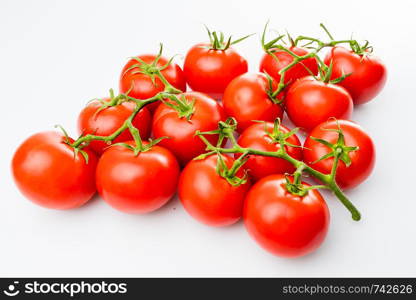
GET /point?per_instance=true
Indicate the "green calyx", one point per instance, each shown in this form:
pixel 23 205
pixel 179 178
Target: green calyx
pixel 273 93
pixel 225 131
pixel 77 150
pixel 270 46
pixel 219 42
pixel 229 174
pixel 139 146
pixel 299 189
pixel 296 187
pixel 361 50
pixel 114 101
pixel 184 108
pixel 148 69
pixel 153 70
pixel 338 150
pixel 325 73
pixel 279 136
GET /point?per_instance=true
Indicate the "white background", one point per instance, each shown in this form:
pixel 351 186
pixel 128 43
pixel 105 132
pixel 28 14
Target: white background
pixel 57 55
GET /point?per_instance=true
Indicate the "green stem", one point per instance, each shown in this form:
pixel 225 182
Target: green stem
pixel 90 137
pixel 297 59
pixel 355 214
pixel 238 163
pixel 136 136
pixel 327 31
pixel 328 180
pixel 168 87
pixel 337 154
pixel 298 174
pixel 283 71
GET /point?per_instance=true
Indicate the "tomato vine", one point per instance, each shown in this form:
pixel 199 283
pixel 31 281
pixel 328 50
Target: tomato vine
pixel 227 129
pixel 316 45
pixel 329 180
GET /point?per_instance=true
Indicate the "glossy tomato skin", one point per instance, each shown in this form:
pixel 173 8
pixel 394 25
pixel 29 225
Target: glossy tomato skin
pixel 282 223
pixel 47 172
pixel 207 196
pixel 261 166
pixel 246 100
pixel 368 73
pixel 310 102
pixel 362 160
pixel 137 184
pixel 210 71
pixel 141 85
pixel 108 120
pixel 181 132
pixel 272 66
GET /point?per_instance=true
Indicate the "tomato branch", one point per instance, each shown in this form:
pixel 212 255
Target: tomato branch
pixel 169 92
pixel 274 46
pixel 85 139
pixel 328 180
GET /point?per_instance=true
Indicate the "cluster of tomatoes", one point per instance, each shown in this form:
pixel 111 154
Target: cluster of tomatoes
pixel 138 156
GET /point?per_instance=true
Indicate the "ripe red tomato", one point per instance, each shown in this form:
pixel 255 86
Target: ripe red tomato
pixel 272 65
pixel 108 120
pixel 246 99
pixel 137 184
pixel 310 102
pixel 208 197
pixel 141 86
pixel 282 223
pixel 181 132
pixel 47 172
pixel 260 136
pixel 368 73
pixel 362 160
pixel 210 71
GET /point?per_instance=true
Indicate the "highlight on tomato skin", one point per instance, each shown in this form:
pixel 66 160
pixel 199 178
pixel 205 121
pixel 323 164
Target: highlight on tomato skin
pixel 137 184
pixel 362 160
pixel 238 160
pixel 247 99
pixel 47 172
pixel 209 198
pixel 284 224
pixel 210 71
pixel 367 73
pixel 309 102
pixel 182 141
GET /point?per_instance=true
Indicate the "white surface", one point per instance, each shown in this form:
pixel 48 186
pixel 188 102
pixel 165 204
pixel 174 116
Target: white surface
pixel 56 55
